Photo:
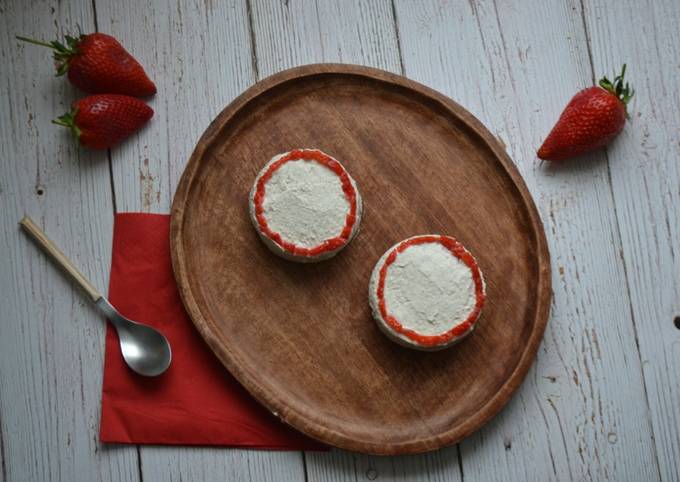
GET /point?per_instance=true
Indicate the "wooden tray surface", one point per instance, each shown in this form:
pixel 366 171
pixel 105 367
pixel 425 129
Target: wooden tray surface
pixel 301 338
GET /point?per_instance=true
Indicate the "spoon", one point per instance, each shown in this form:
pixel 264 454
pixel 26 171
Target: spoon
pixel 145 350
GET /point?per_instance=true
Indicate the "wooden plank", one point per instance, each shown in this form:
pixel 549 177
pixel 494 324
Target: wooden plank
pixel 645 174
pixel 51 340
pixel 581 414
pixel 288 34
pixel 219 465
pixel 340 466
pixel 199 55
pixel 292 33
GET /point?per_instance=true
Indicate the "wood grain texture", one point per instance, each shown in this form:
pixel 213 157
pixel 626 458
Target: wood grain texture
pixel 424 165
pixel 200 57
pixel 51 340
pixel 292 33
pixel 645 174
pixel 198 53
pixel 277 27
pixel 552 51
pixel 341 466
pixel 582 413
pixel 208 464
pixel 277 49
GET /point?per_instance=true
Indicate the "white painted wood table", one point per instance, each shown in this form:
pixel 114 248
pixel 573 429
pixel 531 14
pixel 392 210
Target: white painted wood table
pixel 602 401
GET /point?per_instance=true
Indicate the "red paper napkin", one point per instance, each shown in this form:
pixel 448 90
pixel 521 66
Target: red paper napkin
pixel 196 402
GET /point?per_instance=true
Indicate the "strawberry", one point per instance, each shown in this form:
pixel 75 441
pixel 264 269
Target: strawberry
pixel 100 121
pixel 591 120
pixel 98 63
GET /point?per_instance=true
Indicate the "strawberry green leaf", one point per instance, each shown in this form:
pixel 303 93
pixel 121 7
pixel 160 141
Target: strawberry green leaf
pixel 623 91
pixel 62 53
pixel 68 120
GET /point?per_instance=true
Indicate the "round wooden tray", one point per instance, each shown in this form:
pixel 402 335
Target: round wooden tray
pixel 301 338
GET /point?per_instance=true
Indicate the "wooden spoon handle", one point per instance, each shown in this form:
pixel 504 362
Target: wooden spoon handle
pixel 34 231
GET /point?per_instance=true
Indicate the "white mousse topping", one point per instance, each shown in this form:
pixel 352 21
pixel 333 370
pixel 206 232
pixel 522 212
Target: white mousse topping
pixel 428 289
pixel 304 203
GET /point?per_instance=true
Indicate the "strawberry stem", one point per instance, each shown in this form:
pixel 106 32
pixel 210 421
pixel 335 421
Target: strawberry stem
pixel 34 41
pixel 623 91
pixel 68 120
pixel 62 53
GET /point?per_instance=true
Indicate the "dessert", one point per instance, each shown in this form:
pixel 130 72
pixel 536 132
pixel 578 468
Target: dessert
pixel 305 206
pixel 427 292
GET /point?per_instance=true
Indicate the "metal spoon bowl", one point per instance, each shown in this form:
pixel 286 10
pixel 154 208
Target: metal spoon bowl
pixel 145 350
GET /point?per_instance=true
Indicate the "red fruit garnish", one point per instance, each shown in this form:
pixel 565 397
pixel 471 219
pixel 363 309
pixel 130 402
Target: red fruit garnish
pixel 98 63
pixel 100 121
pixel 591 120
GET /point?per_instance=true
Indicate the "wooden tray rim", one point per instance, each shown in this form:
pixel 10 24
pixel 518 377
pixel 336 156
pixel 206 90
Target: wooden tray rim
pixel 268 398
